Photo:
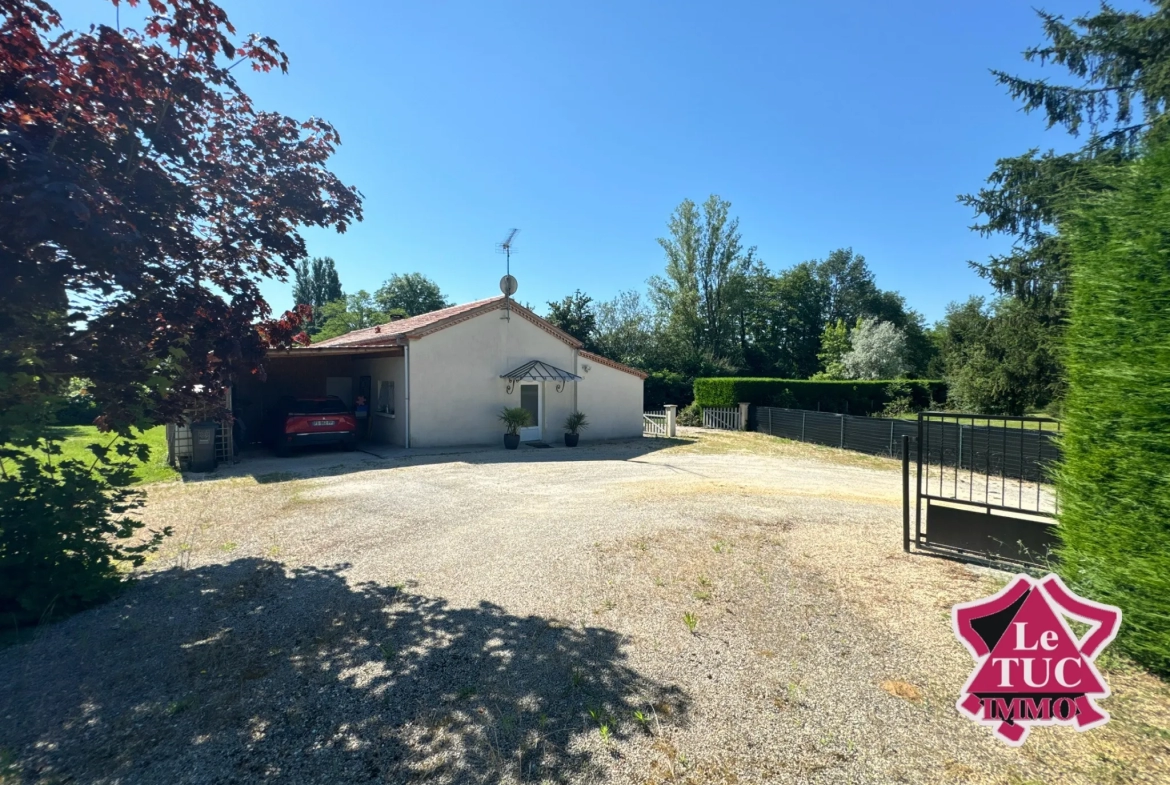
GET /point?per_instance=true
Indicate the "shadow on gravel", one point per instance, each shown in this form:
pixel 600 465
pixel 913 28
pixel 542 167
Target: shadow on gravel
pixel 243 672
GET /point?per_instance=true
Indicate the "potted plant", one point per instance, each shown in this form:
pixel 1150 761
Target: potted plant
pixel 573 423
pixel 514 418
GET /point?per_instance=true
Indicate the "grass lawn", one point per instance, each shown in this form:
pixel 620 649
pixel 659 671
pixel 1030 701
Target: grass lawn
pixel 75 440
pixel 968 420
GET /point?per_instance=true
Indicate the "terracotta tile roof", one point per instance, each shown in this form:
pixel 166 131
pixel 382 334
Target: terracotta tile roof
pixel 597 358
pixel 389 333
pixel 394 333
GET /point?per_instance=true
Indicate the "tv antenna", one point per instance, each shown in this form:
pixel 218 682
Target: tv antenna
pixel 508 283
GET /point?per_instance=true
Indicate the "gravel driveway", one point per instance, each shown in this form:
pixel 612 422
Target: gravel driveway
pixel 489 617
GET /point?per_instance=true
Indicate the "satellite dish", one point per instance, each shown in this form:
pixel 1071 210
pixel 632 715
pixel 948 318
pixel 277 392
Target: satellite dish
pixel 508 285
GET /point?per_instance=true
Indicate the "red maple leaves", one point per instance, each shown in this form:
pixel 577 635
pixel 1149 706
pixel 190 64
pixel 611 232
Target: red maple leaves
pixel 142 200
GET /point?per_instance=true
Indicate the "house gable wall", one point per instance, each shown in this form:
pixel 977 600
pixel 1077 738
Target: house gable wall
pixel 456 392
pixel 611 399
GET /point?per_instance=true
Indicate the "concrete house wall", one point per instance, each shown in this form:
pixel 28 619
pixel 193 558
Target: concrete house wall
pixel 611 399
pixel 385 428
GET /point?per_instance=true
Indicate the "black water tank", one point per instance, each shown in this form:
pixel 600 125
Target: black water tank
pixel 203 446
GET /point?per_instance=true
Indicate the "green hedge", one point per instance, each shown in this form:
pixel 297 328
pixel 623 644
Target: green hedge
pixel 663 387
pixel 849 396
pixel 1114 484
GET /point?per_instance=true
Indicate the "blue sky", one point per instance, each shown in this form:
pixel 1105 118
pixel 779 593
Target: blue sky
pixel 826 125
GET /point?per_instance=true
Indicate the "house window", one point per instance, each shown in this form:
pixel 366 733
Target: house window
pixel 386 398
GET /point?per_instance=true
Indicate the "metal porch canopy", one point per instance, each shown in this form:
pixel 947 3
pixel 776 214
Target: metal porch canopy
pixel 535 370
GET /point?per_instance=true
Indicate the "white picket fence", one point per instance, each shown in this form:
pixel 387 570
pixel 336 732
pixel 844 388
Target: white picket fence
pixel 721 419
pixel 654 423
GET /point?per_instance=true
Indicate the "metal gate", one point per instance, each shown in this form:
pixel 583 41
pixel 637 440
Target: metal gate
pixel 983 487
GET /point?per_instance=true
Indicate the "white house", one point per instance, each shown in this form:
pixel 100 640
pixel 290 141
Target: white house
pixel 442 378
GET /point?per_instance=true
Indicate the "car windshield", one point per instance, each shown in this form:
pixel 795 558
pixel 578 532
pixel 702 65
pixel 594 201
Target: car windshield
pixel 311 406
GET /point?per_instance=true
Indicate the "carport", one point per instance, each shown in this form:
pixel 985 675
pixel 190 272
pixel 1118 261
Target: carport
pixel 368 379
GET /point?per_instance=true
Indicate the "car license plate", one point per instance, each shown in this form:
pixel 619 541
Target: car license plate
pixel 323 423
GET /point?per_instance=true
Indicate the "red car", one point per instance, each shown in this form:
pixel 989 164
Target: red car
pixel 298 422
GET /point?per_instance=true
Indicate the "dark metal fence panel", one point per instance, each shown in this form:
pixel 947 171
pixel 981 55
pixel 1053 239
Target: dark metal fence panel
pixel 863 434
pixel 874 436
pixel 1024 448
pixel 906 428
pixel 823 428
pixel 784 423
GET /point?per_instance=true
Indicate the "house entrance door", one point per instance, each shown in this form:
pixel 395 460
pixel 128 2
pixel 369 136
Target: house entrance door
pixel 532 401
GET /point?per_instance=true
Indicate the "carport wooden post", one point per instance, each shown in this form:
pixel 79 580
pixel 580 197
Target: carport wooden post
pixel 743 415
pixel 671 412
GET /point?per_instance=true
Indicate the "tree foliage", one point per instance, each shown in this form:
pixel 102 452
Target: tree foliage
pixel 412 293
pixel 352 312
pixel 834 346
pixel 316 283
pixel 799 310
pixel 1115 481
pixel 144 197
pixel 848 288
pixel 625 331
pixel 700 291
pixel 787 323
pixel 1119 59
pixel 65 529
pixel 718 310
pixel 575 315
pixel 877 350
pixel 998 358
pixel 1120 65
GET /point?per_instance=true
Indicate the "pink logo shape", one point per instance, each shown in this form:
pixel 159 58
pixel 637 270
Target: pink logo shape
pixel 1030 668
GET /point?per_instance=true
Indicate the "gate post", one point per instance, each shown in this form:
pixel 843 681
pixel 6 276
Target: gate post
pixel 918 481
pixel 743 415
pixel 842 444
pixel 671 413
pixel 906 493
